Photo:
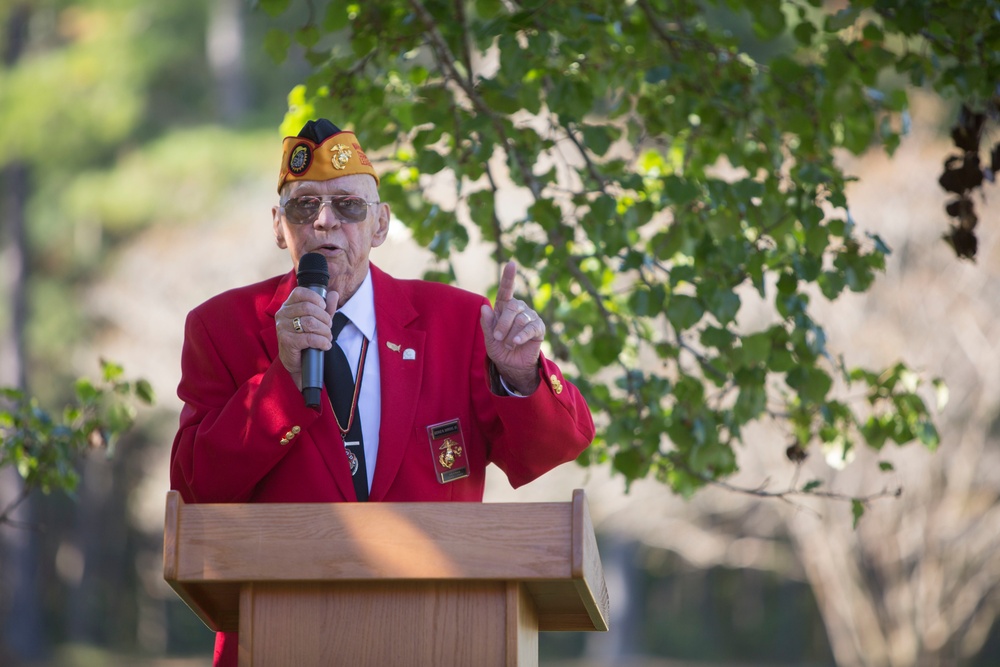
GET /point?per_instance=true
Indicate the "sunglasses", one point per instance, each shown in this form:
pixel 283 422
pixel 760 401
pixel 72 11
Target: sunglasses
pixel 304 210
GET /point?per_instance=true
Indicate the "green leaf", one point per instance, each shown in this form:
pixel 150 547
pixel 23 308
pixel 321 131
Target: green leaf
pixel 659 73
pixel 606 348
pixel 647 302
pixel 144 390
pixel 804 33
pixel 111 371
pixel 438 276
pixel 336 18
pixel 629 462
pixel 276 43
pixel 756 348
pixel 274 7
pixel 430 162
pixel 489 8
pixel 811 486
pixel 844 18
pixel 857 510
pixel 481 211
pixel 597 138
pixel 928 435
pixel 680 191
pixel 86 391
pixel 307 36
pixel 723 304
pixel 683 311
pixel 769 20
pixel 750 404
pixel 812 384
pixel 545 213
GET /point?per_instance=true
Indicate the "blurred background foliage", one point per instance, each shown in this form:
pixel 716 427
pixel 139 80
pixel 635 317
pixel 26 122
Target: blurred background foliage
pixel 705 144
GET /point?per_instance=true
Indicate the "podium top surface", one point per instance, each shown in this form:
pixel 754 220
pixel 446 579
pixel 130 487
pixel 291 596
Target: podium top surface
pixel 211 550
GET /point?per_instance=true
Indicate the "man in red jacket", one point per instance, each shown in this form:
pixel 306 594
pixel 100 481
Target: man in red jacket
pixel 441 383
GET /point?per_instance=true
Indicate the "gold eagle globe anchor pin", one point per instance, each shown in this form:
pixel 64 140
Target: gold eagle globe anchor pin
pixel 341 156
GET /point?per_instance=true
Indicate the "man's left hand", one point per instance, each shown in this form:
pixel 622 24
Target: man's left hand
pixel 513 333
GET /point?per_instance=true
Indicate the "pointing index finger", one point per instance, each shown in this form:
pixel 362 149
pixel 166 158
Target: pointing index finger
pixel 505 292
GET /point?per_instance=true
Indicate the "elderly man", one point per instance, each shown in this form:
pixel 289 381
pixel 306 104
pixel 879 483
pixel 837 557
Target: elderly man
pixel 440 383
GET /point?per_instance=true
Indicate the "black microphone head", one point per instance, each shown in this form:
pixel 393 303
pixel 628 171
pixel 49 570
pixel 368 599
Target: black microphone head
pixel 312 270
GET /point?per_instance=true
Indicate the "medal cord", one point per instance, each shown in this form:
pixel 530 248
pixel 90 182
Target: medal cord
pixel 357 390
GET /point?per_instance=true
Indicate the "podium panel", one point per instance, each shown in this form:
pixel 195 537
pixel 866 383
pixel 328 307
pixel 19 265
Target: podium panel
pixel 411 623
pixel 387 583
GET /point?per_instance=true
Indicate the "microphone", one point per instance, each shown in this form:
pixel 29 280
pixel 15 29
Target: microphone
pixel 313 274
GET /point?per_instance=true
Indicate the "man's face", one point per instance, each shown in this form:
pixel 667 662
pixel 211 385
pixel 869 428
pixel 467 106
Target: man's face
pixel 344 244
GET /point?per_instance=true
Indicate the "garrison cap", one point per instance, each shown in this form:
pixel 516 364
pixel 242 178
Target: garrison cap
pixel 320 152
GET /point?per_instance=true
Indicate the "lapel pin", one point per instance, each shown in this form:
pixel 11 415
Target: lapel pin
pixel 392 346
pixel 409 353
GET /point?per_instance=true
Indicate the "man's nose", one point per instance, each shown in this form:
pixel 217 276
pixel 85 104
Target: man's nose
pixel 326 217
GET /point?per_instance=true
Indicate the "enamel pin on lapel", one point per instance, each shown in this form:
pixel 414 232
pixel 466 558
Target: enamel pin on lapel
pixel 409 354
pixel 392 346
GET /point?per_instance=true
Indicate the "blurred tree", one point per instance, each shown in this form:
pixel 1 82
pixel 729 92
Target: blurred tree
pixel 83 83
pixel 22 632
pixel 225 57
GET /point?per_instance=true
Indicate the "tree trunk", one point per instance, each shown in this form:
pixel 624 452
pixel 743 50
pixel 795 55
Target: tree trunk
pixel 20 606
pixel 225 57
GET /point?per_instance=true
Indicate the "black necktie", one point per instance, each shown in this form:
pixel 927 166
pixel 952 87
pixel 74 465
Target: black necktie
pixel 340 385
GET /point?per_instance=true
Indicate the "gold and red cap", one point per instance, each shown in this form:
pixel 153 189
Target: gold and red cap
pixel 321 159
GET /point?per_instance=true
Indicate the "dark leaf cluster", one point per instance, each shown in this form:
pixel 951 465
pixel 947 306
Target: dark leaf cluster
pixel 964 174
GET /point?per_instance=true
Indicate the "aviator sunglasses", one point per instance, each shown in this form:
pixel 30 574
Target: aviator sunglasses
pixel 304 210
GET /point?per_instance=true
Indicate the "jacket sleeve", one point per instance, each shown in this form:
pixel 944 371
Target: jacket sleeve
pixel 241 414
pixel 530 435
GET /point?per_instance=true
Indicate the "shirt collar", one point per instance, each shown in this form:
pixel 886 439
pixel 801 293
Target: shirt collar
pixel 360 308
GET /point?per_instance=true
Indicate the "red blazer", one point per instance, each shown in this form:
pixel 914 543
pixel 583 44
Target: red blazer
pixel 246 435
pixel 240 404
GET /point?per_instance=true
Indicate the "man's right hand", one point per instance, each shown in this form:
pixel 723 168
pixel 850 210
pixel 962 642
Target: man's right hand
pixel 305 310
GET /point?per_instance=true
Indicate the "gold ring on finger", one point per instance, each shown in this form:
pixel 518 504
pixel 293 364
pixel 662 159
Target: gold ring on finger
pixel 297 324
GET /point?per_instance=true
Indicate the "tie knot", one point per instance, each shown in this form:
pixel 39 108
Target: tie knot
pixel 339 322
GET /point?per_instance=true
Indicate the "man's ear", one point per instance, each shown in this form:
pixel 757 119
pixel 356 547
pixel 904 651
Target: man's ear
pixel 381 225
pixel 279 230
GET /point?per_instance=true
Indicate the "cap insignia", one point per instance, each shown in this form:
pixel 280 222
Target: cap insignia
pixel 341 156
pixel 299 160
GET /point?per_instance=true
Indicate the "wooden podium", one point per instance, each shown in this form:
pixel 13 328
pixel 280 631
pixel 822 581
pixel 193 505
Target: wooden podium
pixel 387 584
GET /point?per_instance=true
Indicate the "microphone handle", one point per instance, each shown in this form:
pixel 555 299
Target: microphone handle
pixel 312 365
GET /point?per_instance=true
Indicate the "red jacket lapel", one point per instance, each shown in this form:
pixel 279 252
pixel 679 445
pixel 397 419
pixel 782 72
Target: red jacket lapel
pixel 401 367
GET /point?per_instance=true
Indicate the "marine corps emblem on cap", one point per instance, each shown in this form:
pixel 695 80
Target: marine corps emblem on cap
pixel 341 156
pixel 303 158
pixel 300 158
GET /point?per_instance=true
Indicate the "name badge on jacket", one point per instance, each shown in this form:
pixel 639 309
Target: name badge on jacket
pixel 451 461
